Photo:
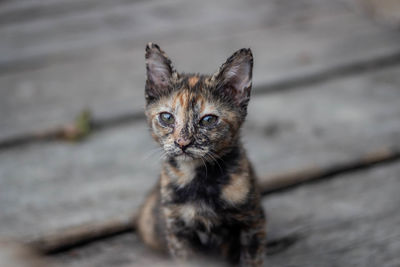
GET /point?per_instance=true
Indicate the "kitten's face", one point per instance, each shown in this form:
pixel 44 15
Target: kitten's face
pixel 194 116
pixel 192 123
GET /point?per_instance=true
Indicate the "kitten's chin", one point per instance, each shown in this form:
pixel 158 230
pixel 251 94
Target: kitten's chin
pixel 184 157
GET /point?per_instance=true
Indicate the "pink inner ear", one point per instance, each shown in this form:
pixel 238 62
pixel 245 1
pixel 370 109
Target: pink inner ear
pixel 239 76
pixel 158 71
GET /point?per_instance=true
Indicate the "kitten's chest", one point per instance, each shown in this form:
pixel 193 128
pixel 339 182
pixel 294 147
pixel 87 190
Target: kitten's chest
pixel 198 217
pixel 202 212
pixel 203 225
pixel 203 186
pixel 196 194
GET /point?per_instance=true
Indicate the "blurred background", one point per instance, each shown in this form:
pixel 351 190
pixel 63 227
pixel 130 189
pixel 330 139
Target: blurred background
pixel 76 158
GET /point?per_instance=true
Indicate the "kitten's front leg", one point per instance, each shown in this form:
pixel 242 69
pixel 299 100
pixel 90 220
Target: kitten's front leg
pixel 252 239
pixel 178 246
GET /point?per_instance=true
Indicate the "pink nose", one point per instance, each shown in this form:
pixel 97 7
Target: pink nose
pixel 183 143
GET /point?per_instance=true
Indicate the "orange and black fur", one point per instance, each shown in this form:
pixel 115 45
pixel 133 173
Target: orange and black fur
pixel 206 199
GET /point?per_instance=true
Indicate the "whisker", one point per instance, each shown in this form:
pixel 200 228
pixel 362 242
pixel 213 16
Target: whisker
pixel 212 160
pixel 151 153
pixel 162 156
pixel 213 157
pixel 216 155
pixel 205 165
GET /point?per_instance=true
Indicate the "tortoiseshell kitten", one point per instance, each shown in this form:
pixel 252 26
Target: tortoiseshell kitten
pixel 206 199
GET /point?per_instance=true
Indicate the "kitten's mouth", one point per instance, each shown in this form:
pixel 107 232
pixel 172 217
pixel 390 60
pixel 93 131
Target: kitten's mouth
pixel 184 157
pixel 185 154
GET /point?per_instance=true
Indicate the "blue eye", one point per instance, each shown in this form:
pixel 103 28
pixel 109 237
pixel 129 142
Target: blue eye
pixel 167 118
pixel 209 120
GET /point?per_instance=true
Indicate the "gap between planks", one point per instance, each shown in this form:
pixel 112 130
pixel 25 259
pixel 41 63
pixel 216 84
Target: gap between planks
pixel 291 83
pixel 74 237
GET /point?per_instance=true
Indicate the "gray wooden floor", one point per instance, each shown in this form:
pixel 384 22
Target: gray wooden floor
pixel 326 91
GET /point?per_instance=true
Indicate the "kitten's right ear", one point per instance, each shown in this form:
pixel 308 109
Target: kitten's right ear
pixel 159 72
pixel 234 78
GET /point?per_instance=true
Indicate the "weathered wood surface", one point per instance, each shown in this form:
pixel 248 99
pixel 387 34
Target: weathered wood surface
pixel 332 122
pixel 13 254
pixel 66 184
pixel 54 64
pixel 348 221
pixel 72 237
pixel 386 12
pixel 58 57
pixel 351 220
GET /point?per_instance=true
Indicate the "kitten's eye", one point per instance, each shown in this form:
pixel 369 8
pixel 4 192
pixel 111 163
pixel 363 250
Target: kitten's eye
pixel 167 118
pixel 208 120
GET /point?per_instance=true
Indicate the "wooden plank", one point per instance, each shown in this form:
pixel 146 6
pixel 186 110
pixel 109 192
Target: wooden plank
pixel 16 12
pixel 108 78
pixel 336 121
pixel 14 254
pixel 65 184
pixel 348 221
pixel 135 20
pixel 384 11
pixel 71 238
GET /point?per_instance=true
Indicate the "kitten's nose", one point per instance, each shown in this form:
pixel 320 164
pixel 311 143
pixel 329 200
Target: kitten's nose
pixel 183 143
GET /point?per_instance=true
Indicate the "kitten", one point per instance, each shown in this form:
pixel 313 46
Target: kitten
pixel 206 199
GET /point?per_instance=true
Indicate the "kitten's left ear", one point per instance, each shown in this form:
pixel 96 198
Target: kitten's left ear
pixel 234 78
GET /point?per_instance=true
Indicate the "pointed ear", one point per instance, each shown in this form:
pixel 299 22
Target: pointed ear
pixel 234 78
pixel 159 72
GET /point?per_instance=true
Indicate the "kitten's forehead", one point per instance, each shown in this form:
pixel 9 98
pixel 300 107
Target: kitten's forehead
pixel 193 80
pixel 184 101
pixel 192 93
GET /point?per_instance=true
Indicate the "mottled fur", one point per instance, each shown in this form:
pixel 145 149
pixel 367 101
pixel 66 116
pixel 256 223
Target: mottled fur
pixel 206 199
